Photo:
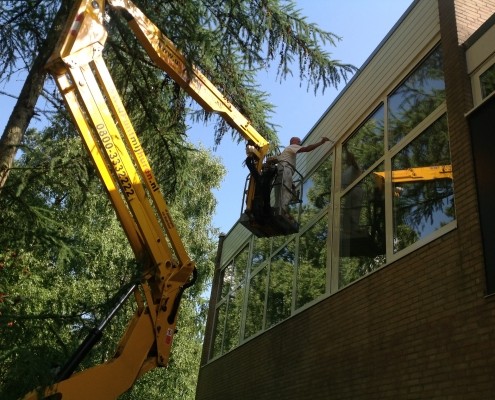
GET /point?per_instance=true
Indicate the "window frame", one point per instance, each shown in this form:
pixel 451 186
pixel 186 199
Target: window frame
pixel 476 80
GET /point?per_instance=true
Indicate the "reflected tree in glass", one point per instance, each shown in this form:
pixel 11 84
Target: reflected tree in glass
pixel 279 241
pixel 279 300
pixel 416 98
pixel 363 148
pixel 424 203
pixel 312 270
pixel 261 251
pixel 487 81
pixel 229 312
pixel 233 320
pixel 256 303
pixel 221 312
pixel 240 266
pixel 362 228
pixel 227 279
pixel 317 191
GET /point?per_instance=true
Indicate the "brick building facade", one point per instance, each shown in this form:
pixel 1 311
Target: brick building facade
pixel 413 316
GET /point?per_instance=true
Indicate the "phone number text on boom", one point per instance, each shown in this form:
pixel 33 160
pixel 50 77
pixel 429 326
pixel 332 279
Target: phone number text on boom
pixel 113 155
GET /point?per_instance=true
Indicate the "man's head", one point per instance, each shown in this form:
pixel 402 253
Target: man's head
pixel 295 140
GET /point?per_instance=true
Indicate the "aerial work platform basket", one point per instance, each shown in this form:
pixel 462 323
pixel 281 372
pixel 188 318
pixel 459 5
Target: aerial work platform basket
pixel 267 217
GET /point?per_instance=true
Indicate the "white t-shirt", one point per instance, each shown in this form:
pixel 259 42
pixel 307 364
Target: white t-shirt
pixel 289 155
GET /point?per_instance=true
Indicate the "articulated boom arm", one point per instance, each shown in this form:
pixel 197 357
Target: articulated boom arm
pixel 96 108
pixel 167 57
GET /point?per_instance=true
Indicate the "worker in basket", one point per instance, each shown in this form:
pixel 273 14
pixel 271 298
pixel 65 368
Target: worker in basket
pixel 286 161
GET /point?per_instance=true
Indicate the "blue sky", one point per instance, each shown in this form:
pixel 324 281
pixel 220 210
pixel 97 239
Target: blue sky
pixel 362 24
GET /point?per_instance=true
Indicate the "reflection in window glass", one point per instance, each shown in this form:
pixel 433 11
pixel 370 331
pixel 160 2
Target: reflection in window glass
pixel 219 329
pixel 418 179
pixel 227 280
pixel 421 93
pixel 312 269
pixel 423 187
pixel 487 81
pixel 317 191
pixel 229 313
pixel 279 241
pixel 240 266
pixel 363 148
pixel 280 285
pixel 261 251
pixel 362 228
pixel 256 304
pixel 233 320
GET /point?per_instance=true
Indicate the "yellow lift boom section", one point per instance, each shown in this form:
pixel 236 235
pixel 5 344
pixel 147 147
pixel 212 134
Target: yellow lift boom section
pixel 96 108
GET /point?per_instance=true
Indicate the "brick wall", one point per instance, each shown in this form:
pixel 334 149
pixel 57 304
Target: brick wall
pixel 418 329
pixel 421 328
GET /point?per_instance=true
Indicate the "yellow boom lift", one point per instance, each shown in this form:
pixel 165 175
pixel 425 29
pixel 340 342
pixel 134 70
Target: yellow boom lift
pixel 90 95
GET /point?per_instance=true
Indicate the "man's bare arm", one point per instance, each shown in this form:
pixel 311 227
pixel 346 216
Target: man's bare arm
pixel 313 146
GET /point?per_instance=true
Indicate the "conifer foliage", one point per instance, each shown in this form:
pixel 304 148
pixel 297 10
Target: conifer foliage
pixel 63 254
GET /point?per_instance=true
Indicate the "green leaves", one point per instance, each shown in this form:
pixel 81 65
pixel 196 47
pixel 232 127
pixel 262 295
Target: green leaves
pixel 63 254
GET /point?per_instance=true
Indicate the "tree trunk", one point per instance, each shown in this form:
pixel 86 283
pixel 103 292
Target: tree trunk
pixel 24 108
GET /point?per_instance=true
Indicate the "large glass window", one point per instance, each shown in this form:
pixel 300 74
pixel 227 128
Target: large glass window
pixel 317 191
pixel 240 266
pixel 233 319
pixel 227 280
pixel 229 311
pixel 395 193
pixel 423 190
pixel 234 273
pixel 420 202
pixel 256 303
pixel 279 302
pixel 487 82
pixel 221 312
pixel 421 93
pixel 261 251
pixel 362 228
pixel 363 148
pixel 311 274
